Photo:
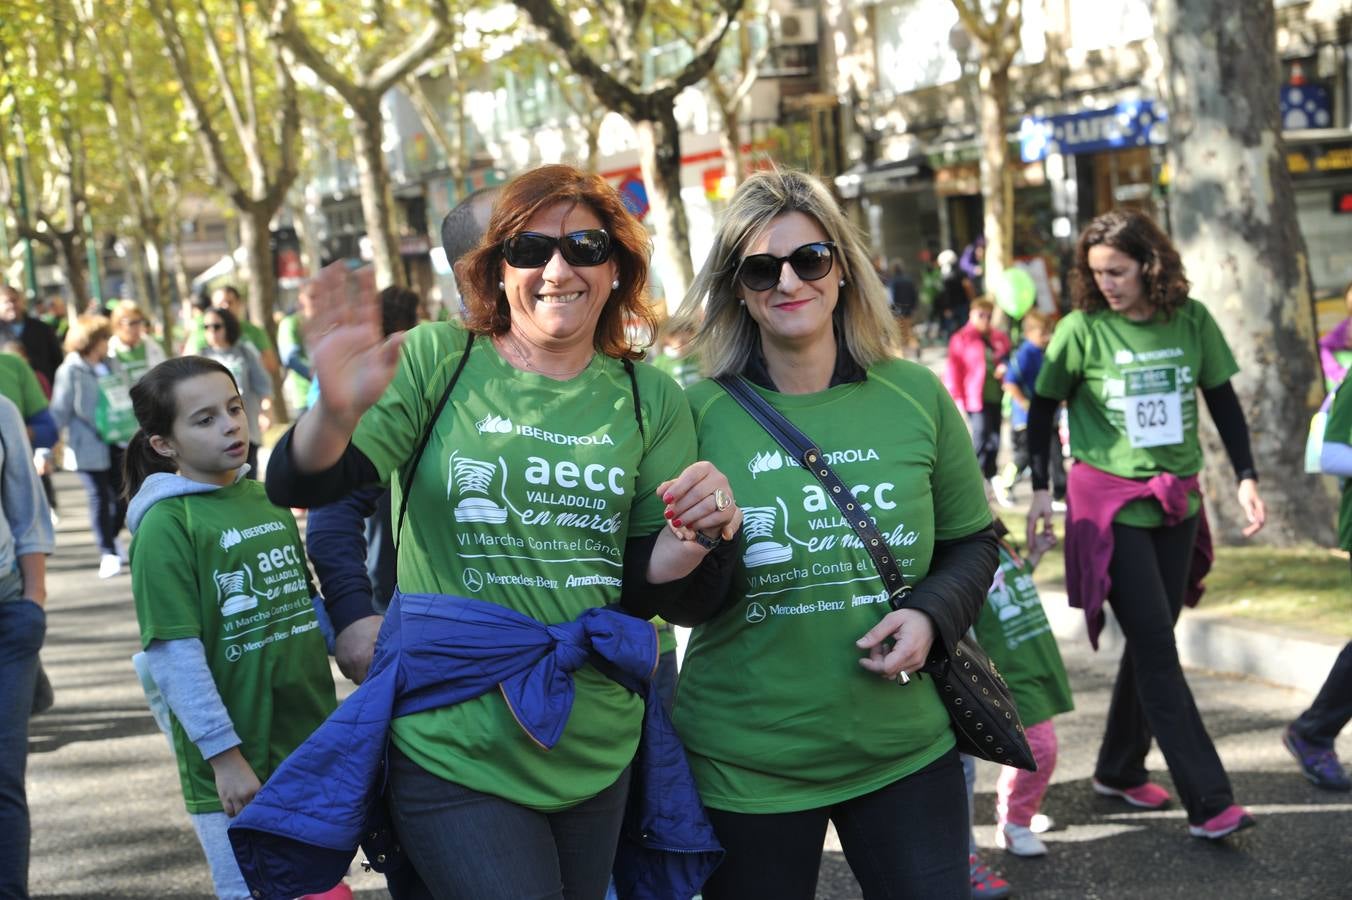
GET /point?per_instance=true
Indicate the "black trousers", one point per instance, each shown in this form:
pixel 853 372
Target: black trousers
pixel 1332 708
pixel 1056 463
pixel 1149 572
pixel 907 840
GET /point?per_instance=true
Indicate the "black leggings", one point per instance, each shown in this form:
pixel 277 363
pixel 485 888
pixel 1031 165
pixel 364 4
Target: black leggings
pixel 905 840
pixel 1149 572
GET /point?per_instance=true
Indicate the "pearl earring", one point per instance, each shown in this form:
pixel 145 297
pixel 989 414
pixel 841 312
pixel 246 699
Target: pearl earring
pixel 502 288
pixel 842 282
pixel 615 285
pixel 741 301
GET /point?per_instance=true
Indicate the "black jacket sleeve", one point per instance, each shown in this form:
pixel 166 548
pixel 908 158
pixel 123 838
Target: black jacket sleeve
pixel 1229 418
pixel 954 591
pixel 288 486
pixel 1041 415
pixel 688 601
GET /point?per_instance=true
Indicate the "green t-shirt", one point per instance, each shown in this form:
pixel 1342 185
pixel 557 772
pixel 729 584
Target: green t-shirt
pixel 991 389
pixel 227 567
pixel 21 386
pixel 1131 388
pixel 776 713
pixel 525 496
pixel 685 369
pixel 134 362
pixel 290 336
pixel 249 333
pixel 1014 631
pixel 1338 430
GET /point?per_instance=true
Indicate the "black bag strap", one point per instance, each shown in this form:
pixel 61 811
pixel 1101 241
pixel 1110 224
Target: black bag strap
pixel 406 477
pixel 801 448
pixel 638 410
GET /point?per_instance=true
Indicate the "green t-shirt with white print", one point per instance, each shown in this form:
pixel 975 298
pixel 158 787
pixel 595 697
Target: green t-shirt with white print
pixel 525 496
pixel 1131 388
pixel 776 713
pixel 227 567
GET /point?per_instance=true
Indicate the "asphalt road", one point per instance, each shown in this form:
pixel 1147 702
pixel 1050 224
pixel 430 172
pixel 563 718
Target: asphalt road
pixel 108 819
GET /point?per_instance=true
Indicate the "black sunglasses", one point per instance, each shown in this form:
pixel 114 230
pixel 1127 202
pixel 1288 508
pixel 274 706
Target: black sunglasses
pixel 810 262
pixel 530 249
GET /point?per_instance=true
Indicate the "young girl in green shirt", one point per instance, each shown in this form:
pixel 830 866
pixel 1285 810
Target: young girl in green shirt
pixel 222 597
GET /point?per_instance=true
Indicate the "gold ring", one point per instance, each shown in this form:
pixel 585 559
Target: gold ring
pixel 721 500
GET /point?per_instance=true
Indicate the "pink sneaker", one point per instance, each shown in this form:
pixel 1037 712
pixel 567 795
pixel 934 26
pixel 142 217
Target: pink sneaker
pixel 1230 820
pixel 1146 796
pixel 339 891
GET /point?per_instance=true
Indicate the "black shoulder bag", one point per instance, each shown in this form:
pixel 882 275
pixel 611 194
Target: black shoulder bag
pixel 978 700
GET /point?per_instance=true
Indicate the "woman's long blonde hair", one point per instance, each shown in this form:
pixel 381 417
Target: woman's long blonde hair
pixel 727 336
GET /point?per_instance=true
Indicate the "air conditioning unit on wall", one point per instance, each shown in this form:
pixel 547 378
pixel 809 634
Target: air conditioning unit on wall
pixel 794 26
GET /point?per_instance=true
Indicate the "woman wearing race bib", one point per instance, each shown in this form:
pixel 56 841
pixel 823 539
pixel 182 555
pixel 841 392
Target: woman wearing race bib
pixel 79 405
pixel 788 701
pixel 1129 362
pixel 542 495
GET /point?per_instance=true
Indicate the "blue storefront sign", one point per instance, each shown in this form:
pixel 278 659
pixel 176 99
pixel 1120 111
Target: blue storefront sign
pixel 1306 106
pixel 1133 123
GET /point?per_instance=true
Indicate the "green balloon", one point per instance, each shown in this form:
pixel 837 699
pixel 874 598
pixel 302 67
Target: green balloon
pixel 1015 292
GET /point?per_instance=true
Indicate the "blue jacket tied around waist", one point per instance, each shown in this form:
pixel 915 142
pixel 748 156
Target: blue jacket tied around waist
pixel 300 832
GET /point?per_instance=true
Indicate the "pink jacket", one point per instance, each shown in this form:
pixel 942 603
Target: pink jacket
pixel 1329 345
pixel 965 375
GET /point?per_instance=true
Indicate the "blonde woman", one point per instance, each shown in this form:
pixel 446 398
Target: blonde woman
pixel 129 344
pixel 76 400
pixel 791 304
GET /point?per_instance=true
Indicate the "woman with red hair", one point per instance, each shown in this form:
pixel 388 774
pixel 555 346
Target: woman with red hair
pixel 545 478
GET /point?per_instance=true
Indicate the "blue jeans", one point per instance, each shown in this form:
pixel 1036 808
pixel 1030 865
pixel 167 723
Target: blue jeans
pixel 905 840
pixel 475 846
pixel 22 627
pixel 107 509
pixel 985 426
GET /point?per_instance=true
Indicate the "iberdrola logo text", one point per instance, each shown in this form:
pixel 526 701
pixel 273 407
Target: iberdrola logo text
pixel 494 424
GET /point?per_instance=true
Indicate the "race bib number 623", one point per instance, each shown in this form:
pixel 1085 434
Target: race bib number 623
pixel 1153 408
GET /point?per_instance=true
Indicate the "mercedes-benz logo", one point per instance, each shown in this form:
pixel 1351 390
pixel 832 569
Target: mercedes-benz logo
pixel 233 653
pixel 473 580
pixel 755 613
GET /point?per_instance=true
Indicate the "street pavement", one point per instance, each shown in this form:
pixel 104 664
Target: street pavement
pixel 108 818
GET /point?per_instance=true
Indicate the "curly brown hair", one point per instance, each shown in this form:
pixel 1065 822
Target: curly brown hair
pixel 486 308
pixel 1130 231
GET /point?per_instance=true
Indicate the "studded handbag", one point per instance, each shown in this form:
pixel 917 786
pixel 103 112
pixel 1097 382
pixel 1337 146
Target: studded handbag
pixel 979 703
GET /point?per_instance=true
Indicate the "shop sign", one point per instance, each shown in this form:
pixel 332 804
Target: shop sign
pixel 717 186
pixel 1306 106
pixel 1319 159
pixel 634 195
pixel 1133 123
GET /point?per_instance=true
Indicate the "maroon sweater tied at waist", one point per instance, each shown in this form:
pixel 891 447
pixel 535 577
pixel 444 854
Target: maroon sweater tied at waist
pixel 1093 498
